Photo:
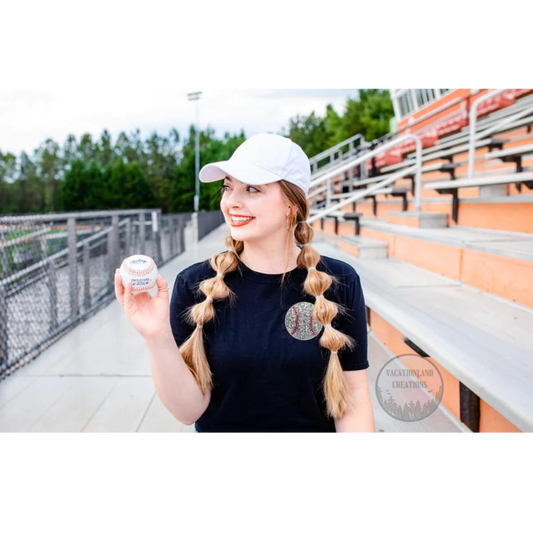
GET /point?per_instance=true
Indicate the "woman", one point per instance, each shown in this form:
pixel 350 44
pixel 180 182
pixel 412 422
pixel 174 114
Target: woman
pixel 272 336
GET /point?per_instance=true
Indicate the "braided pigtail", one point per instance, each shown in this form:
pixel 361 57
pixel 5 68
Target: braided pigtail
pixel 193 350
pixel 338 394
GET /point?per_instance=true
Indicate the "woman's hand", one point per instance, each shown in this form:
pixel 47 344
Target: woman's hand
pixel 150 315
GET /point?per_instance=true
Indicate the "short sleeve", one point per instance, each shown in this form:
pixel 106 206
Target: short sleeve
pixel 354 323
pixel 182 298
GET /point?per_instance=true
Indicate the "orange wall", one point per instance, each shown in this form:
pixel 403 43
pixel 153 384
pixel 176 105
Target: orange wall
pixel 490 419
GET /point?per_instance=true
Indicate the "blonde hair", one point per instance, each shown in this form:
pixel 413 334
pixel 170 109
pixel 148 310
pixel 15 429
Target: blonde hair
pixel 338 394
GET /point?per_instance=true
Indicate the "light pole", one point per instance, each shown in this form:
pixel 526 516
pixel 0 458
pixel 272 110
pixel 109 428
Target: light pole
pixel 196 96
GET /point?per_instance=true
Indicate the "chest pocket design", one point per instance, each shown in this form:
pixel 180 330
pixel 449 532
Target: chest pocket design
pixel 300 323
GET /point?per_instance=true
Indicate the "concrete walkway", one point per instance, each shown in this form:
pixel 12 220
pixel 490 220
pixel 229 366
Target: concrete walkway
pixel 98 377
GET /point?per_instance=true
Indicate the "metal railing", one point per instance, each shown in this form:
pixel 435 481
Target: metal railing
pixel 328 178
pixel 57 270
pixel 336 153
pixel 473 136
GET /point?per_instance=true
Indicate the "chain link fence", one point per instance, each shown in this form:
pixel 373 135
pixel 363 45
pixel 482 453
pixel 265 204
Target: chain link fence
pixel 57 270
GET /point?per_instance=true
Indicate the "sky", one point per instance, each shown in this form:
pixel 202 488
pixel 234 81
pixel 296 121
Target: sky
pixel 28 117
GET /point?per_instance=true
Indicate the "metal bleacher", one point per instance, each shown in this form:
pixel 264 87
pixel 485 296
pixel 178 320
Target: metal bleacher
pixel 429 282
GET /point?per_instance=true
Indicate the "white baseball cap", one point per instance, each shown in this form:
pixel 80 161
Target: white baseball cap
pixel 263 158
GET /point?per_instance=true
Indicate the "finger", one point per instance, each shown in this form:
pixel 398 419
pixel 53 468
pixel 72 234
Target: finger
pixel 128 296
pixel 119 288
pixel 162 287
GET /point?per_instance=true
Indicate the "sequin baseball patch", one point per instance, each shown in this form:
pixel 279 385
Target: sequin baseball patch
pixel 300 323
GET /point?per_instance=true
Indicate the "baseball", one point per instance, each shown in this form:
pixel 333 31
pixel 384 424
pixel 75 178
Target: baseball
pixel 141 271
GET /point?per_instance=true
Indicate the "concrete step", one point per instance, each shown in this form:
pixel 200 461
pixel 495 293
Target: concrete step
pixel 510 212
pixel 497 262
pixel 474 338
pixel 419 219
pixel 363 247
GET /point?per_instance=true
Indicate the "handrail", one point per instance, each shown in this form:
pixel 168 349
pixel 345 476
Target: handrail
pixel 322 155
pixel 473 136
pixel 386 138
pixel 361 159
pixel 395 133
pixel 78 215
pixel 473 123
pixel 321 213
pixel 504 122
pixel 328 151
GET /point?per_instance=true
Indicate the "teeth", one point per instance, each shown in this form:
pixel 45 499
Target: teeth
pixel 239 220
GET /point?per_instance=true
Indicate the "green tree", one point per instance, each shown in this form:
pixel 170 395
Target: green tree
pixel 310 133
pixel 160 171
pixel 48 161
pixel 8 169
pixel 370 115
pixel 78 190
pixel 127 187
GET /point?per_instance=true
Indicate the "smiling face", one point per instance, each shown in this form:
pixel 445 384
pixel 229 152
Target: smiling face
pixel 265 203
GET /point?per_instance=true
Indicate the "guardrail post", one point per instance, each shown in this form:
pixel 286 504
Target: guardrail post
pixel 127 251
pixel 195 226
pixel 142 232
pixel 86 275
pixel 114 252
pixel 156 230
pixel 52 282
pixel 5 260
pixel 172 235
pixel 73 266
pixel 3 325
pixel 3 303
pixel 181 234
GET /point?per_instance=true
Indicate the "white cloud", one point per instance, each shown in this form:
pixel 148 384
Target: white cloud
pixel 27 118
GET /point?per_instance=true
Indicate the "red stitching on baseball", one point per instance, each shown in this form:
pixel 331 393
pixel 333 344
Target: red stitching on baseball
pixel 148 270
pixel 297 319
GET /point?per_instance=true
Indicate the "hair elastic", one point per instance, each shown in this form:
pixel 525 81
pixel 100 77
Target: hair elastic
pixel 219 275
pixel 311 268
pixel 199 326
pixel 209 298
pixel 334 352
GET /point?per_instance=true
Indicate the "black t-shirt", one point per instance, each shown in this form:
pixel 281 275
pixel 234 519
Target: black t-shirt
pixel 264 352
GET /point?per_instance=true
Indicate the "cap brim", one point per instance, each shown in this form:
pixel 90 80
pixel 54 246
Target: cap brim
pixel 242 171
